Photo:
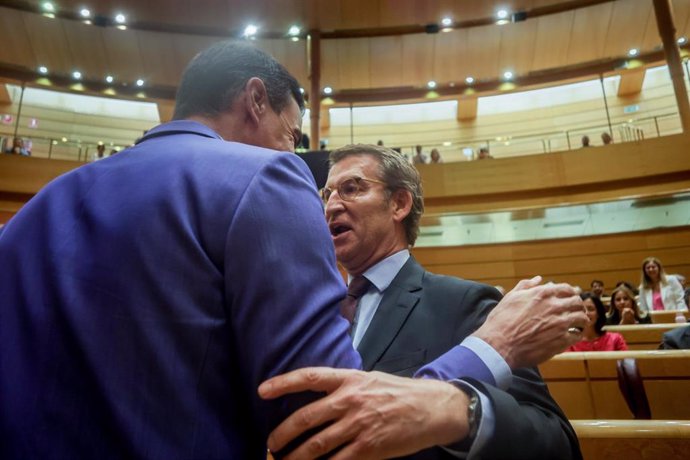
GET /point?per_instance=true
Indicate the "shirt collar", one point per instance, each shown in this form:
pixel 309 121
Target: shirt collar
pixel 382 273
pixel 179 127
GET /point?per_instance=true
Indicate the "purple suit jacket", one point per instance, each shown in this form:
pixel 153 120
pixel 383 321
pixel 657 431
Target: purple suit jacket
pixel 144 297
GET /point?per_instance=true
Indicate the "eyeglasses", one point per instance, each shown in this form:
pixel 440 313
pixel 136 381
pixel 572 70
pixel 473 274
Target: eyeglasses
pixel 348 190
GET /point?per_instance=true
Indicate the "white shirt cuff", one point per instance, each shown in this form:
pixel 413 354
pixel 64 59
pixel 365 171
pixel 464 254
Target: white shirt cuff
pixel 503 376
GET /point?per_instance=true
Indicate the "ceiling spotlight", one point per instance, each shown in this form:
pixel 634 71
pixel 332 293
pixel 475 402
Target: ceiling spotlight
pixel 503 17
pixel 469 80
pixel 76 75
pixel 43 70
pixel 682 40
pixel 140 82
pixel 431 84
pixel 85 13
pixel 64 139
pixel 507 75
pixel 250 30
pixel 633 52
pixel 120 18
pixel 328 90
pixel 121 27
pixel 109 79
pixel 446 22
pixel 447 144
pixel 48 7
pixel 294 31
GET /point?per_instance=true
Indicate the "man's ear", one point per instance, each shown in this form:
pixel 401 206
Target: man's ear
pixel 256 99
pixel 401 201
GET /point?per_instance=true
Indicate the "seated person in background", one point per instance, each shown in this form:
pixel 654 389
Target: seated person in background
pixel 624 309
pixel 659 292
pixel 597 288
pixel 676 339
pixel 585 141
pixel 593 337
pixel 100 152
pixel 484 154
pixel 436 156
pixel 419 157
pixel 606 138
pixel 18 147
pixel 379 143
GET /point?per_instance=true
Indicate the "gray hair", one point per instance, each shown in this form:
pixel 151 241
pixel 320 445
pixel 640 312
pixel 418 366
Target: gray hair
pixel 397 173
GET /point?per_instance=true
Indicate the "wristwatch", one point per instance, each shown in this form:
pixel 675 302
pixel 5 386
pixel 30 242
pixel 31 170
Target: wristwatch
pixel 474 411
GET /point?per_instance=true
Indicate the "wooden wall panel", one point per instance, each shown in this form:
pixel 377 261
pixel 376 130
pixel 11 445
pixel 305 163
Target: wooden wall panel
pixel 418 59
pixel 517 47
pixel 385 58
pixel 551 43
pixel 611 258
pixel 450 63
pixel 158 58
pixel 86 46
pixel 620 33
pixel 48 40
pixel 16 47
pixel 352 63
pixel 483 47
pixel 588 33
pixel 123 53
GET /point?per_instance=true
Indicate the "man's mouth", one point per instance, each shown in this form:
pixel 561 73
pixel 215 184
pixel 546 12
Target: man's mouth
pixel 338 229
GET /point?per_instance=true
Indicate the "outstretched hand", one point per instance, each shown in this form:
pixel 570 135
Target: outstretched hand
pixel 531 323
pixel 372 415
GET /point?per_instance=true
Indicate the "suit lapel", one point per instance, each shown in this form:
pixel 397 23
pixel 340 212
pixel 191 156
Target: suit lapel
pixel 397 303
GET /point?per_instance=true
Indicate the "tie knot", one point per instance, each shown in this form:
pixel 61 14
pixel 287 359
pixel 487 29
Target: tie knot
pixel 357 287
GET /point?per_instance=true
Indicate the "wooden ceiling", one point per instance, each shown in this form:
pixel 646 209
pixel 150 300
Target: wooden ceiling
pixel 163 35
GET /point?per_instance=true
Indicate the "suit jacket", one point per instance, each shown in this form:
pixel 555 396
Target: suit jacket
pixel 677 339
pixel 671 296
pixel 145 296
pixel 420 316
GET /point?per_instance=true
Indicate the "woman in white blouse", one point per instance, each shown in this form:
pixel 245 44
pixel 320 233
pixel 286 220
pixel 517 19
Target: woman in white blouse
pixel 658 291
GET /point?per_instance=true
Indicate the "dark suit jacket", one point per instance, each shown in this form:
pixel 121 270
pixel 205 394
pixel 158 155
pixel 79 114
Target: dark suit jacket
pixel 421 316
pixel 677 339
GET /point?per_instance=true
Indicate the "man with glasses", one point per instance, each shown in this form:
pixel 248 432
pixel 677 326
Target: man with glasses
pixel 408 317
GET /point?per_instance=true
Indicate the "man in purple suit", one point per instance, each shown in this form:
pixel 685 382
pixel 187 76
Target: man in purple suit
pixel 146 296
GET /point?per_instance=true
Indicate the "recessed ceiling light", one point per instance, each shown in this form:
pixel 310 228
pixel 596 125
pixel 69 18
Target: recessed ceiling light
pixel 76 75
pixel 122 27
pixel 49 7
pixel 43 69
pixel 120 18
pixel 250 30
pixel 328 90
pixel 502 14
pixel 682 40
pixel 109 79
pixel 85 13
pixel 294 31
pixel 633 52
pixel 447 144
pixel 140 82
pixel 446 22
pixel 64 139
pixel 431 84
pixel 507 75
pixel 469 80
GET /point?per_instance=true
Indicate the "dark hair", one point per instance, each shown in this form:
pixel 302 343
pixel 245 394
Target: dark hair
pixel 216 76
pixel 397 173
pixel 601 311
pixel 596 281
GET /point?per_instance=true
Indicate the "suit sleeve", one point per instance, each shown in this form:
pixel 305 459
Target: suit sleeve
pixel 528 423
pixel 282 285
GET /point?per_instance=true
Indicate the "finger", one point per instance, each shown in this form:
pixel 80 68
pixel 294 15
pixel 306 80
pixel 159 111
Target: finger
pixel 558 290
pixel 526 284
pixel 309 378
pixel 306 418
pixel 332 437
